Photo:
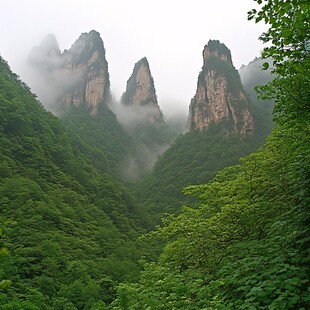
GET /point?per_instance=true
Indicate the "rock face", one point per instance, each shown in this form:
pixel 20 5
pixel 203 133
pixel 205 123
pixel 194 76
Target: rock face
pixel 79 76
pixel 140 92
pixel 86 61
pixel 220 96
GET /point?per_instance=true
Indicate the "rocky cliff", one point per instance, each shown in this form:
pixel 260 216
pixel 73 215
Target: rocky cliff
pixel 219 96
pixel 140 93
pixel 79 76
pixel 86 61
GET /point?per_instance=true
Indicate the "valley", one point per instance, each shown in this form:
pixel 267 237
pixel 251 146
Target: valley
pixel 108 204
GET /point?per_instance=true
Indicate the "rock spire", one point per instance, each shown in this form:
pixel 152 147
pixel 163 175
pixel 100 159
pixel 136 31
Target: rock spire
pixel 86 61
pixel 140 92
pixel 219 96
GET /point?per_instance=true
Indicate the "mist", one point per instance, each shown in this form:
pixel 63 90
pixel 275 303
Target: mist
pixel 130 30
pixel 252 75
pixel 135 167
pixel 46 71
pixel 42 71
pixel 128 116
pixel 135 120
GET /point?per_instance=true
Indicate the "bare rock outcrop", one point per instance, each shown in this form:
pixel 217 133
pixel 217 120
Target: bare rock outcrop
pixel 140 93
pixel 86 61
pixel 219 96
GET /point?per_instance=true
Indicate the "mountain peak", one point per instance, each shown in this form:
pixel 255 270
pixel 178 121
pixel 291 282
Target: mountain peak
pixel 140 91
pixel 46 56
pixel 86 44
pixel 215 48
pixel 86 60
pixel 219 96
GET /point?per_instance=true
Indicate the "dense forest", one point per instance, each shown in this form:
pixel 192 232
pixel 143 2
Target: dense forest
pixel 76 235
pixel 69 226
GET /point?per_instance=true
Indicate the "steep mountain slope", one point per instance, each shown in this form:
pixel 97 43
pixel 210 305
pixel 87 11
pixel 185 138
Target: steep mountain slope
pixel 103 134
pixel 224 125
pixel 246 245
pixel 68 225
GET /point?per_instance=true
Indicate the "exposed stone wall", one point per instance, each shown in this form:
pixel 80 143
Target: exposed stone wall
pixel 140 92
pixel 214 101
pixel 86 62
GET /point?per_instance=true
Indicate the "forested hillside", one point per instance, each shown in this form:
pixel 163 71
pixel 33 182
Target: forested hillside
pixel 126 152
pixel 109 144
pixel 196 156
pixel 70 229
pixel 246 245
pixel 75 85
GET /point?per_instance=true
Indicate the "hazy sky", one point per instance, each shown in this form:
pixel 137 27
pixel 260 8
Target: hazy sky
pixel 170 33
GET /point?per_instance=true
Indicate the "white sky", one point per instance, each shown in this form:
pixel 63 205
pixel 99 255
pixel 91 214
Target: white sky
pixel 170 33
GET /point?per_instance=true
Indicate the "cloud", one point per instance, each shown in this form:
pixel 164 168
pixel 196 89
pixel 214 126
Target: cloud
pixel 47 56
pixel 44 73
pixel 130 116
pixel 252 75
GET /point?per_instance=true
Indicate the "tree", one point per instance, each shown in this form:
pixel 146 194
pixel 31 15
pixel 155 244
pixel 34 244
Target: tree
pixel 289 39
pixel 288 32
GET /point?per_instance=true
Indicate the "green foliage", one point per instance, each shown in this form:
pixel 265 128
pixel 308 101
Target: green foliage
pixel 127 154
pixel 194 158
pixel 288 33
pixel 104 141
pixel 244 246
pixel 289 37
pixel 3 251
pixel 71 230
pixel 75 231
pixel 161 288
